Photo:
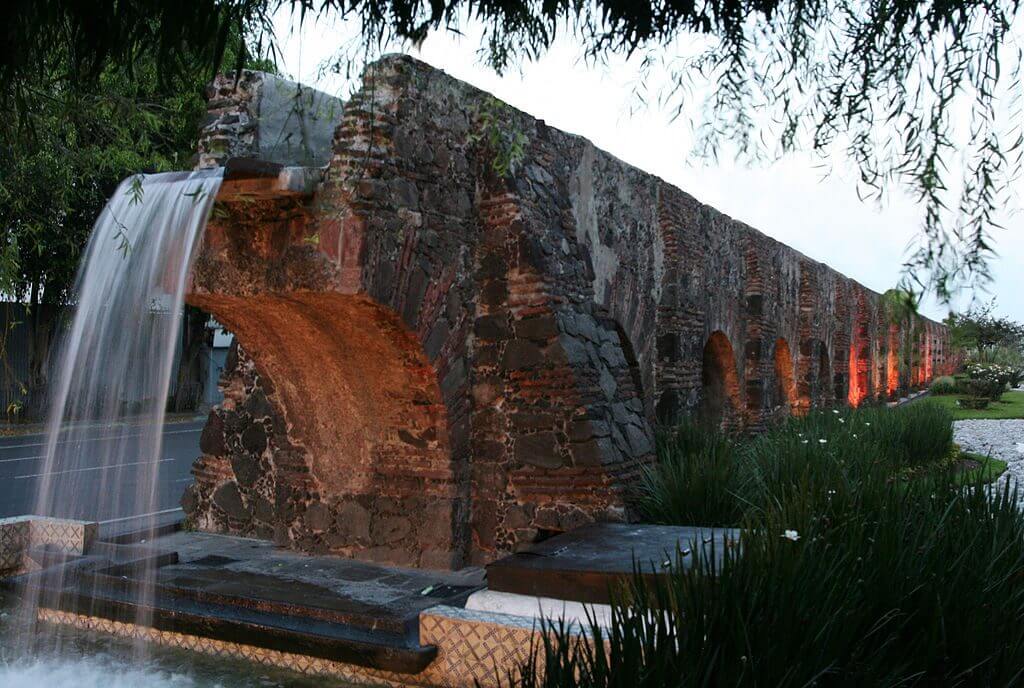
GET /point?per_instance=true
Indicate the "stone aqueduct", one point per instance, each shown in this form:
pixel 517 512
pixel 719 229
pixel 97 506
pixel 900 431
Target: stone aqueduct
pixel 438 364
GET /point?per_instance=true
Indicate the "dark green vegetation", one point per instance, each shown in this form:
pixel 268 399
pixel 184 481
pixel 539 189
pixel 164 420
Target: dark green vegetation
pixel 74 140
pixel 863 562
pixel 942 386
pixel 1011 405
pixel 884 82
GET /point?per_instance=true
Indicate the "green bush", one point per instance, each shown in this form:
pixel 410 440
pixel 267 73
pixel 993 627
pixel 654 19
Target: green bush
pixel 911 435
pixel 992 377
pixel 942 386
pixel 701 478
pixel 844 576
pixel 694 479
pixel 883 587
pixel 974 403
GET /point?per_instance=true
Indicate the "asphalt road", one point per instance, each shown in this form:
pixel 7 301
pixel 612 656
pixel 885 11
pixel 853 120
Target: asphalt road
pixel 100 492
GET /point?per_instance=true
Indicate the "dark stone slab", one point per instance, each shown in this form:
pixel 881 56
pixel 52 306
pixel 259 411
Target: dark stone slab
pixel 589 563
pixel 250 168
pixel 246 591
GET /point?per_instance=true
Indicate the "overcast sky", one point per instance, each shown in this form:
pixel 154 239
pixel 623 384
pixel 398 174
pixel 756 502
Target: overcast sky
pixel 791 200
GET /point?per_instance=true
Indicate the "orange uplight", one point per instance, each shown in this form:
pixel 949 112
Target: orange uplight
pixel 854 393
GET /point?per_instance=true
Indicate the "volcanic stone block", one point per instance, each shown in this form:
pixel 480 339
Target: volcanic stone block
pixel 539 449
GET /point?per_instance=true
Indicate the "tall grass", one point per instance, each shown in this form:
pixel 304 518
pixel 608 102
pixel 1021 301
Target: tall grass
pixel 694 479
pixel 702 478
pixel 888 582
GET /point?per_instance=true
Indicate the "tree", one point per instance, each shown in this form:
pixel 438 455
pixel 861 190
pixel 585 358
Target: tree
pixel 883 82
pixel 900 308
pixel 979 330
pixel 66 153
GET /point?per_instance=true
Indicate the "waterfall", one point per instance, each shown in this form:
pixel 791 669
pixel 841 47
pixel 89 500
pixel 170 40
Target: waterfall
pixel 113 366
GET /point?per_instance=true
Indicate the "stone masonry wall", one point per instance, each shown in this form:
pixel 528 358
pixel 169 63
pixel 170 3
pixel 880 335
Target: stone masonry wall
pixel 453 363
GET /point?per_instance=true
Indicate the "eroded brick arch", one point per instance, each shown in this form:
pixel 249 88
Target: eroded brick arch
pixel 362 406
pixel 859 387
pixel 721 400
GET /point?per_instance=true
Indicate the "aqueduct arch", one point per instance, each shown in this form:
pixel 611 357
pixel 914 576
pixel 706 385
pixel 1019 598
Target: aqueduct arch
pixel 721 400
pixel 785 379
pixel 438 364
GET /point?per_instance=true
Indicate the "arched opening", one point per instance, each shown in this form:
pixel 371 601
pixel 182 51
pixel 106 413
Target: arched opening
pixel 892 366
pixel 860 357
pixel 720 389
pixel 784 378
pixel 362 408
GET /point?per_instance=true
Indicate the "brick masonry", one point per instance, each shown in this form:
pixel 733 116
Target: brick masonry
pixel 440 364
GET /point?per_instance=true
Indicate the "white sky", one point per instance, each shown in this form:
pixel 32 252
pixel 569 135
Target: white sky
pixel 790 200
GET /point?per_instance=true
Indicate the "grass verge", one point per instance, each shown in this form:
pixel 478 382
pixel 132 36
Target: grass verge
pixel 1010 406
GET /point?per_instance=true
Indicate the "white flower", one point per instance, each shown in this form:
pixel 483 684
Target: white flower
pixel 835 411
pixel 823 441
pixel 804 441
pixel 867 422
pixel 841 420
pixel 791 535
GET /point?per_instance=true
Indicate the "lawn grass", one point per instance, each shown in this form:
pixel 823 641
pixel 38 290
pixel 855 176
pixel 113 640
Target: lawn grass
pixel 1010 406
pixel 988 472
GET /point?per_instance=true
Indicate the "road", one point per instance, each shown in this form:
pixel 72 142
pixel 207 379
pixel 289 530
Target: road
pixel 100 492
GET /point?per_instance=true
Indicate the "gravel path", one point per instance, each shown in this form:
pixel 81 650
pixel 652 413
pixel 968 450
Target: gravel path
pixel 1002 439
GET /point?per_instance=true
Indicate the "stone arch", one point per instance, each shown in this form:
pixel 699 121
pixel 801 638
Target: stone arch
pixel 720 388
pixel 892 364
pixel 859 387
pixel 362 405
pixel 784 377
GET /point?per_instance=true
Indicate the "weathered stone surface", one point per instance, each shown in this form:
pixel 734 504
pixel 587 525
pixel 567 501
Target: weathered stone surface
pixel 352 522
pixel 229 500
pixel 539 449
pixel 437 364
pixel 211 441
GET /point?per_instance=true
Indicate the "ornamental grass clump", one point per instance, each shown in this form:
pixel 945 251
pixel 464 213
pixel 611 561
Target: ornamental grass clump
pixel 943 386
pixel 694 480
pixel 845 575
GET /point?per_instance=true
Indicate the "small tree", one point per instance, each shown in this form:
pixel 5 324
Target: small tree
pixel 981 332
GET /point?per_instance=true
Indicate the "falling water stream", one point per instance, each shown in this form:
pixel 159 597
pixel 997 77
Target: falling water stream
pixel 112 378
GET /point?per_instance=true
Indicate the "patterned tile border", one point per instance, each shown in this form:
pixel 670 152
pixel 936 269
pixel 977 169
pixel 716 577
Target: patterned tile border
pixel 20 533
pixel 14 539
pixel 474 648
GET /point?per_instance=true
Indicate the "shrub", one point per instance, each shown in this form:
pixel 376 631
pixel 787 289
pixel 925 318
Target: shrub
pixel 993 377
pixel 911 435
pixel 701 478
pixel 983 388
pixel 974 403
pixel 944 385
pixel 844 576
pixel 883 587
pixel 694 480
